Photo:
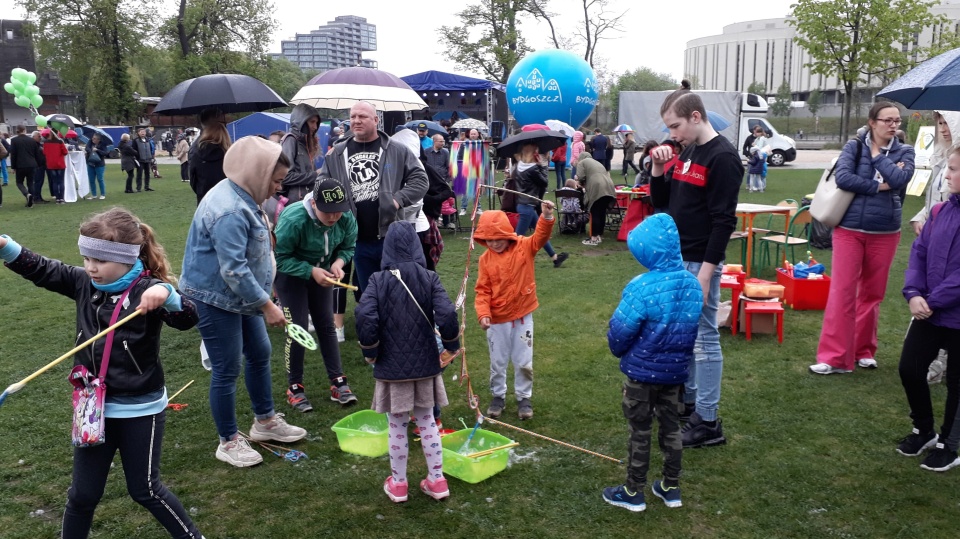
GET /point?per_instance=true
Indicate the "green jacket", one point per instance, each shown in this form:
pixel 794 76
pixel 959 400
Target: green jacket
pixel 304 243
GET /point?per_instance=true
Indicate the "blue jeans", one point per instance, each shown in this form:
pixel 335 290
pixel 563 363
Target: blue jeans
pixel 55 179
pixel 3 170
pixel 706 369
pixel 366 261
pixel 226 336
pixel 561 169
pixel 95 175
pixel 528 219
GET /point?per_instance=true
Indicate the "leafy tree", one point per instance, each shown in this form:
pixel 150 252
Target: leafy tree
pixel 282 75
pixel 857 39
pixel 781 107
pixel 638 80
pixel 758 88
pixel 89 43
pixel 814 100
pixel 500 45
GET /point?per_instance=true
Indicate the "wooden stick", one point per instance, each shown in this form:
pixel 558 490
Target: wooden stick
pixel 488 451
pixel 514 192
pixel 344 285
pixel 181 390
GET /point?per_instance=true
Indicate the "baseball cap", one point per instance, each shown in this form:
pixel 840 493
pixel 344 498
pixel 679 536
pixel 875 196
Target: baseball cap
pixel 421 126
pixel 330 196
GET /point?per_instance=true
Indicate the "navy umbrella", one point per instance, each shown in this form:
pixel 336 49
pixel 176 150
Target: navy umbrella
pixel 433 128
pixel 545 140
pixel 223 91
pixel 88 131
pixel 932 85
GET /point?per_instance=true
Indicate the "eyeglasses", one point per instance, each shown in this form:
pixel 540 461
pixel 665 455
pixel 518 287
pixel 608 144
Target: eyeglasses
pixel 891 121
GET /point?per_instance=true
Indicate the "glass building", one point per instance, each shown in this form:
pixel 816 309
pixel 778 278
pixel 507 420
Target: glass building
pixel 339 43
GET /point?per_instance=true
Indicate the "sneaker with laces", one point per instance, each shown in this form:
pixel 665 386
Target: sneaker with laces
pixel 824 368
pixel 437 490
pixel 342 394
pixel 940 459
pixel 916 443
pixel 669 495
pixel 397 492
pixel 276 429
pixel 496 407
pixel 296 397
pixel 867 363
pixel 561 257
pixel 238 453
pixel 341 334
pixel 103 197
pixel 696 433
pixel 622 497
pixel 524 409
pixel 590 242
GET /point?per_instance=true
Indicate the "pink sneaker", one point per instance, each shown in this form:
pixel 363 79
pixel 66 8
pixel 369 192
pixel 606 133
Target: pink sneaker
pixel 397 492
pixel 437 490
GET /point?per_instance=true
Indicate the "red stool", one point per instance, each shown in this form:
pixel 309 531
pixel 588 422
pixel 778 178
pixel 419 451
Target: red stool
pixel 733 281
pixel 764 307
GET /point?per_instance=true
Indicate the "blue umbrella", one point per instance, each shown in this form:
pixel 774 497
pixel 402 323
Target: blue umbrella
pixel 623 128
pixel 433 128
pixel 932 85
pixel 85 132
pixel 716 120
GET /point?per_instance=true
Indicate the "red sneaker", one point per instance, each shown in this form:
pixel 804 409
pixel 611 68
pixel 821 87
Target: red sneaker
pixel 437 490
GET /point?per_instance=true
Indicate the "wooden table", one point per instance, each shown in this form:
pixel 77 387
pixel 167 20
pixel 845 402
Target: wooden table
pixel 749 212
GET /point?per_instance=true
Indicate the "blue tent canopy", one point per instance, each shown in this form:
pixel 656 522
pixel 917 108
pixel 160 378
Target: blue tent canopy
pixel 436 81
pixel 448 115
pixel 260 123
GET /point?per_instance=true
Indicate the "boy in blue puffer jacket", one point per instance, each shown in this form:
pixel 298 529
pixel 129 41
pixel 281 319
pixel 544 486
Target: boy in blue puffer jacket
pixel 653 332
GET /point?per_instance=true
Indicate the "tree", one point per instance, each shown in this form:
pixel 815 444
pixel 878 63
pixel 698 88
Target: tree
pixel 857 39
pixel 499 45
pixel 639 80
pixel 216 36
pixel 597 24
pixel 758 88
pixel 89 43
pixel 814 100
pixel 781 107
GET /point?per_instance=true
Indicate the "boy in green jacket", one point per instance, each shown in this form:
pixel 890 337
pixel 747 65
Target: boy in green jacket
pixel 315 239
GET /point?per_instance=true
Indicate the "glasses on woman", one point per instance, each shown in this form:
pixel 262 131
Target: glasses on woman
pixel 891 121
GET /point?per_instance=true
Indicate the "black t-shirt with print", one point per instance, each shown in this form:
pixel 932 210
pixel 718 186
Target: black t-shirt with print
pixel 363 166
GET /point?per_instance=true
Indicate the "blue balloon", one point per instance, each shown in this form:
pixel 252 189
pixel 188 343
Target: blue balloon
pixel 552 85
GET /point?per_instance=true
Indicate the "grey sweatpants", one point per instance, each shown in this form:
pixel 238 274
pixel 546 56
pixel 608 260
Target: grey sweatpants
pixel 511 341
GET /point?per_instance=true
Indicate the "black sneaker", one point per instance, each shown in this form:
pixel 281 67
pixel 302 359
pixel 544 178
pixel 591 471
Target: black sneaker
pixel 940 459
pixel 560 258
pixel 915 443
pixel 496 407
pixel 696 433
pixel 342 393
pixel 29 201
pixel 524 409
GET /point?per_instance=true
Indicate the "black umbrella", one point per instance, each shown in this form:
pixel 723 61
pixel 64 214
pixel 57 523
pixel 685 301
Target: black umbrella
pixel 227 92
pixel 545 140
pixel 64 119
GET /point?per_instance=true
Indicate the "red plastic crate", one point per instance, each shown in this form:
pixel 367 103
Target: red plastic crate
pixel 804 294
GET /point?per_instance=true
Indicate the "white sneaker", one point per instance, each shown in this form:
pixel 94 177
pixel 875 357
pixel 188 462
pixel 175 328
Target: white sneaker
pixel 102 197
pixel 341 335
pixel 823 368
pixel 462 212
pixel 867 363
pixel 277 429
pixel 238 453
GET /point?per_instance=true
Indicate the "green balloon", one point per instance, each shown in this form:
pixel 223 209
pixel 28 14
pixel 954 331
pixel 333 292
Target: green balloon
pixel 22 101
pixel 36 101
pixel 31 91
pixel 31 77
pixel 18 87
pixel 63 131
pixel 17 72
pixel 41 121
pixel 10 89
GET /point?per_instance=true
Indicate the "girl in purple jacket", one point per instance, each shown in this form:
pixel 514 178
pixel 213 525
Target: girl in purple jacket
pixel 932 288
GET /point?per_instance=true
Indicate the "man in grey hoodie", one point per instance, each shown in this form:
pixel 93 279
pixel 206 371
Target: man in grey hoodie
pixel 381 178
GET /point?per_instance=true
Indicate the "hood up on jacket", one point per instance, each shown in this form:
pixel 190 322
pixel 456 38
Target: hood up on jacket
pixel 494 225
pixel 655 243
pixel 409 140
pixel 941 148
pixel 577 136
pixel 250 163
pixel 402 246
pixel 299 117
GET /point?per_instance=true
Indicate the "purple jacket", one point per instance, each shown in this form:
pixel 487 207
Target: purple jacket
pixel 934 268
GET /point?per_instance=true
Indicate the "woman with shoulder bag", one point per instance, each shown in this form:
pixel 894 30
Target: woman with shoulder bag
pixel 864 243
pixel 96 164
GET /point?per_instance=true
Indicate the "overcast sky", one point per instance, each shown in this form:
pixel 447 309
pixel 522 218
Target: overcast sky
pixel 655 35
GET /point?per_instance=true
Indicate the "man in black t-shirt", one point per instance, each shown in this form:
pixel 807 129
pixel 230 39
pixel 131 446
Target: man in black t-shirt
pixel 701 197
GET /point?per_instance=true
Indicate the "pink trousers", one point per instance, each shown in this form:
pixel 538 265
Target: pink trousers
pixel 861 266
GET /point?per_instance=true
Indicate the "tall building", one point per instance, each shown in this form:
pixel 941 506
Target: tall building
pixel 763 51
pixel 339 43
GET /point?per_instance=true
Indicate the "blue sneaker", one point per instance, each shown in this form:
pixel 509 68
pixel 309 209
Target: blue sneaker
pixel 621 497
pixel 670 496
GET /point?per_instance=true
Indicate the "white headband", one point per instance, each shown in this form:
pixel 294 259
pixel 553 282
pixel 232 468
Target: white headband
pixel 109 251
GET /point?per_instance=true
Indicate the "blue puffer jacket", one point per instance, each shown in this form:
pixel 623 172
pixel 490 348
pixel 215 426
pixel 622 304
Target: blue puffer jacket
pixel 654 327
pixel 390 327
pixel 873 210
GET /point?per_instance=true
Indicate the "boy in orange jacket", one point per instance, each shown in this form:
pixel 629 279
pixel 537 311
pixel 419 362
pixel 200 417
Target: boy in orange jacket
pixel 506 298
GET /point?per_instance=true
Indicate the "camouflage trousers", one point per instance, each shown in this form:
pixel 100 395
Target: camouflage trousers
pixel 640 403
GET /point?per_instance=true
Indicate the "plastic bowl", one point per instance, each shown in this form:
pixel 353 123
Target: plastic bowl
pixel 476 469
pixel 362 433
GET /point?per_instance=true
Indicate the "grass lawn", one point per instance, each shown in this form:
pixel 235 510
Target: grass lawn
pixel 808 456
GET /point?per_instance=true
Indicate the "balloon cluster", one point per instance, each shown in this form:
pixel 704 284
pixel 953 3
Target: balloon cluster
pixel 25 93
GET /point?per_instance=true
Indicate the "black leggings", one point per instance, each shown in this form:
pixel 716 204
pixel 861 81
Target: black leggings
pixel 138 439
pixel 340 294
pixel 922 345
pixel 300 297
pixel 598 215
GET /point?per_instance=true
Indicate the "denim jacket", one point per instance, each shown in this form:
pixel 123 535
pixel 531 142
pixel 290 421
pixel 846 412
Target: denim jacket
pixel 228 260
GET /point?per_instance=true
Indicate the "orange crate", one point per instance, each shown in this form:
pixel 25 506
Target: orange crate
pixel 804 294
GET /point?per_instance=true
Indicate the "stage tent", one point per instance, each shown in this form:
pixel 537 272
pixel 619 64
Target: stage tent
pixel 469 96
